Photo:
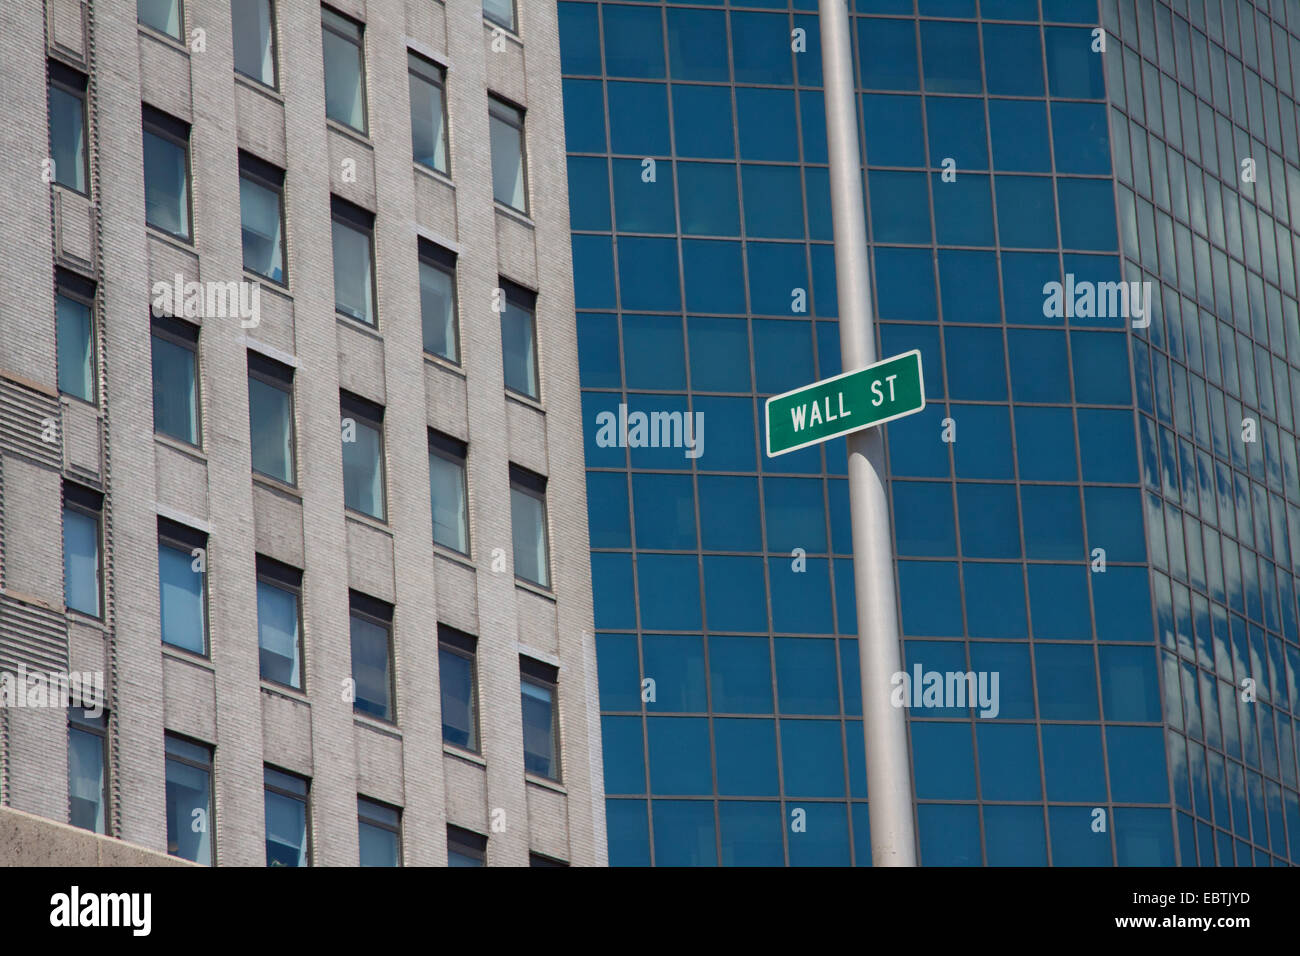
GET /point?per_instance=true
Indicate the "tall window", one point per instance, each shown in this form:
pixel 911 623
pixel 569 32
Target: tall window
pixel 354 275
pixel 362 430
pixel 270 417
pixel 253 25
pixel 457 680
pixel 286 819
pixel 176 380
pixel 428 113
pixel 537 682
pixel 372 657
pixel 166 173
pixel 261 217
pixel 438 301
pixel 68 127
pixel 379 829
pixel 447 492
pixel 519 339
pixel 465 848
pixel 182 586
pixel 279 637
pixel 189 800
pixel 162 15
pixel 82 585
pixel 506 132
pixel 528 523
pixel 87 781
pixel 345 70
pixel 501 12
pixel 75 333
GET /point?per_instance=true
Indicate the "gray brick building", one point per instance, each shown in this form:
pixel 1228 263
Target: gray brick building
pixel 126 446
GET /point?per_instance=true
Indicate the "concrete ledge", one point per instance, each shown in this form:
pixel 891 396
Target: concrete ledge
pixel 29 840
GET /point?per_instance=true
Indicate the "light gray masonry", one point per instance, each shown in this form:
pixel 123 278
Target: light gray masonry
pixel 111 445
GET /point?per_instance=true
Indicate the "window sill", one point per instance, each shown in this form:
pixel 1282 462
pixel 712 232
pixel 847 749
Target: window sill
pixel 436 175
pixel 184 245
pixel 358 137
pixel 73 401
pixel 524 400
pixel 349 322
pixel 84 617
pixel 281 690
pixel 268 284
pixel 446 365
pixel 537 589
pixel 166 39
pixel 188 657
pixel 510 212
pixel 362 518
pixel 275 484
pixel 508 32
pixel 454 556
pixel 451 750
pixel 385 727
pixel 70 190
pixel 545 783
pixel 190 451
pixel 256 86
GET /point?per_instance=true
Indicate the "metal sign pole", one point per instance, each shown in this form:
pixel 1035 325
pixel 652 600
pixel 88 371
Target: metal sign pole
pixel 889 764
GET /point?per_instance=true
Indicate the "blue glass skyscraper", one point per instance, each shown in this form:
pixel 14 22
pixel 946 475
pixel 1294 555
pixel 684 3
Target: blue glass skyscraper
pixel 1100 503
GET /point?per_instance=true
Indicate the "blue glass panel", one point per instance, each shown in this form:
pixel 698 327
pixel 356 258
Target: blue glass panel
pixel 783 354
pixel 1015 685
pixel 1143 837
pixel 893 128
pixel 950 53
pixel 1074 841
pixel 1137 764
pixel 943 761
pixel 641 206
pixel 963 210
pixel 702 123
pixel 957 130
pixel 1072 763
pixel 1026 212
pixel 1073 70
pixel 669 589
pixel 697 45
pixel 1080 139
pixel 684 833
pixel 708 198
pixel 714 277
pixel 679 755
pixel 968 283
pixel 812 758
pixel 588 193
pixel 629 832
pixel 729 517
pixel 1087 214
pixel 977 369
pixel 1067 682
pixel 760 48
pixel 995 600
pixel 1045 444
pixel 905 286
pixel 923 519
pixel 916 449
pixel 805 676
pixel 1115 522
pixel 638 118
pixel 740 675
pixel 730 433
pixel 801 601
pixel 1008 761
pixel 1013 836
pixel 990 526
pixel 653 351
pixel 584 116
pixel 887 54
pixel 1058 600
pixel 746 749
pixel 676 663
pixel 773 201
pixel 825 839
pixel 928 604
pixel 593 273
pixel 898 203
pixel 765 124
pixel 621 741
pixel 776 269
pixel 611 587
pixel 1106 445
pixel 1053 522
pixel 733 590
pixel 751 833
pixel 1040 370
pixel 949 835
pixel 1013 59
pixel 1018 131
pixel 619 672
pixel 1024 276
pixel 984 446
pixel 579 39
pixel 647 270
pixel 634 41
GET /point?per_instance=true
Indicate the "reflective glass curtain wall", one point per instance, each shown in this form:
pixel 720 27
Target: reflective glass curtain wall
pixel 705 282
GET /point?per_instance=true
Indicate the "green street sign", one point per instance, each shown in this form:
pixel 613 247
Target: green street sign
pixel 846 403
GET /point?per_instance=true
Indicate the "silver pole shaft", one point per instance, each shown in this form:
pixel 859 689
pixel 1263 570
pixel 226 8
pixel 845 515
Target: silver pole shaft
pixel 889 763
